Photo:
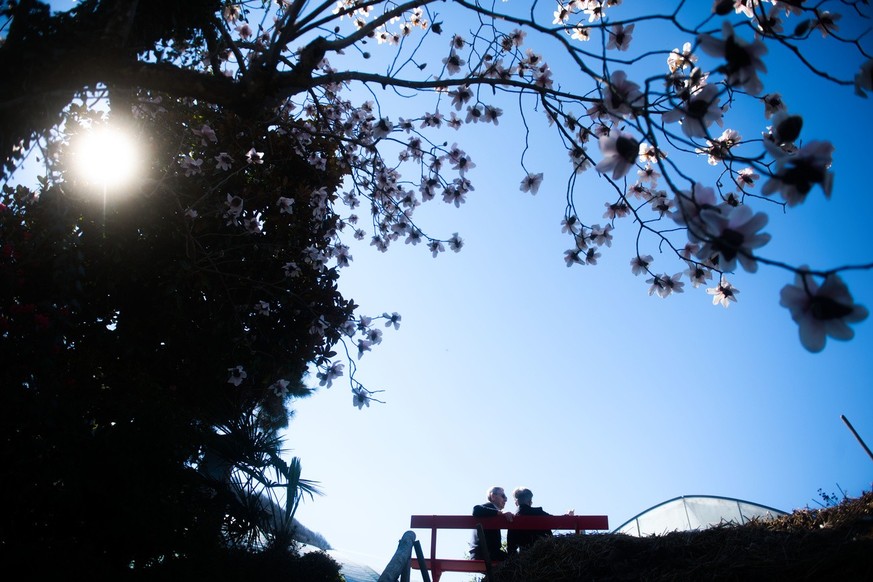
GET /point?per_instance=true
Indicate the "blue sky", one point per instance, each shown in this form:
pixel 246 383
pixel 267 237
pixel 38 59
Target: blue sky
pixel 511 369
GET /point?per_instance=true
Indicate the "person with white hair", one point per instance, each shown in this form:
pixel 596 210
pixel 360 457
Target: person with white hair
pixel 492 538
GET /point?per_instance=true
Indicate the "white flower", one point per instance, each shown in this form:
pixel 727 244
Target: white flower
pixel 620 37
pixel 621 96
pixel 864 79
pixel 460 96
pixel 255 157
pixel 664 284
pixel 773 104
pixel 456 243
pixel 234 206
pixel 746 177
pixel 206 135
pixel 731 233
pixel 581 33
pixel 826 22
pixel 743 59
pixel 561 14
pixel 453 63
pixel 797 173
pixel 698 274
pixel 330 373
pixel 237 375
pixel 571 257
pixel 393 319
pixel 286 205
pixel 223 161
pixel 691 203
pixel 360 398
pixel 681 60
pixel 280 388
pixel 697 113
pixel 619 151
pixel 821 311
pixel 531 183
pixel 191 165
pixel 363 346
pixel 724 293
pixel 640 264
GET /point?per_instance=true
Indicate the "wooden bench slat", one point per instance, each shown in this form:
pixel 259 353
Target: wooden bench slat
pixel 520 522
pixel 450 565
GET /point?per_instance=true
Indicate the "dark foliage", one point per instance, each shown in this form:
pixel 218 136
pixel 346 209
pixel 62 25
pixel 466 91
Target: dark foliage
pixel 117 324
pixel 834 543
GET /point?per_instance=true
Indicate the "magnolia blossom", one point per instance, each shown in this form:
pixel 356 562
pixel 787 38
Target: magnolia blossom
pixel 826 22
pixel 620 151
pixel 821 311
pixel 360 398
pixel 773 104
pixel 649 174
pixel 697 113
pixel 665 284
pixel 255 157
pixel 620 37
pixel 223 161
pixel 190 165
pixel 864 79
pixel 697 274
pixel 783 133
pixel 746 178
pixel 743 59
pixel 286 205
pixel 280 388
pixel 206 134
pixel 237 375
pixel 621 96
pixel 234 205
pixel 718 149
pixel 640 264
pixel 581 33
pixel 332 372
pixel 797 173
pixel 453 63
pixel 723 293
pixel 731 233
pixel 571 257
pixel 681 60
pixel 691 203
pixel 531 183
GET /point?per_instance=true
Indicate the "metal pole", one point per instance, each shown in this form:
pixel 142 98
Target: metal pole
pixel 857 436
pixel 416 545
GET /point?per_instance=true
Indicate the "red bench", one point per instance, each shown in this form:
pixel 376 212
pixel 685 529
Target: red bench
pixel 437 566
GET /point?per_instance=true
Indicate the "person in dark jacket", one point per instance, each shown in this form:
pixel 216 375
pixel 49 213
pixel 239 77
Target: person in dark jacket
pixel 491 542
pixel 517 540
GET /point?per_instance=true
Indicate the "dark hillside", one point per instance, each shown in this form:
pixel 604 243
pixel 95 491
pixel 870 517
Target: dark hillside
pixel 833 543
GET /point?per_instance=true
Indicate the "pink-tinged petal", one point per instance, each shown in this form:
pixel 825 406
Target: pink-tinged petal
pixel 859 313
pixel 839 329
pixel 812 335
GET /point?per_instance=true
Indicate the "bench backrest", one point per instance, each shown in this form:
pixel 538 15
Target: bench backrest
pixel 561 522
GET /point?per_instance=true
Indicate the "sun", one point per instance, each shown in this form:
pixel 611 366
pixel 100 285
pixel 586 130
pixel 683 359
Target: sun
pixel 107 156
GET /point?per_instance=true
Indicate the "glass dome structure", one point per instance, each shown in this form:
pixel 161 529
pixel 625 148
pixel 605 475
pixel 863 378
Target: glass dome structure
pixel 691 512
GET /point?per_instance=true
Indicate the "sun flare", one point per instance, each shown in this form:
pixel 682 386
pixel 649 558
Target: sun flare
pixel 107 156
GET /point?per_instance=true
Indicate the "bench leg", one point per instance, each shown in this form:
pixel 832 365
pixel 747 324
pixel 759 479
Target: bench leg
pixel 485 553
